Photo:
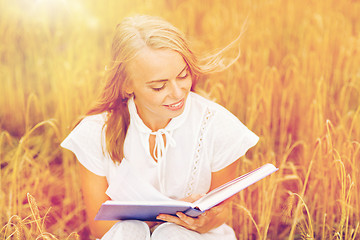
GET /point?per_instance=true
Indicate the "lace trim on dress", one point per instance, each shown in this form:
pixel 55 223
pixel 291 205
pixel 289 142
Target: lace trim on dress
pixel 195 168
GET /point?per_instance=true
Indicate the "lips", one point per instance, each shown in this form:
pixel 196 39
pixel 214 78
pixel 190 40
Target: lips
pixel 176 106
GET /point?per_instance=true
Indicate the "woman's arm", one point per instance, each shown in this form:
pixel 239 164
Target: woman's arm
pixel 93 189
pixel 215 216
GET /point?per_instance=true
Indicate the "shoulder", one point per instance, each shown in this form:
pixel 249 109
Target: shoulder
pixel 226 138
pixel 92 123
pixel 88 134
pixel 203 105
pixel 97 119
pixel 217 120
pixel 90 129
pixel 87 142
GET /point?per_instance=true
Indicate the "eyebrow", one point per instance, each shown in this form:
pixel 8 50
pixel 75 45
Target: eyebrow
pixel 164 80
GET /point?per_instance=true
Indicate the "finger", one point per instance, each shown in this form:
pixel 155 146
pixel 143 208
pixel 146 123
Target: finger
pixel 188 220
pixel 218 209
pixel 176 220
pixel 169 218
pixel 211 213
pixel 193 222
pixel 196 197
pixel 193 198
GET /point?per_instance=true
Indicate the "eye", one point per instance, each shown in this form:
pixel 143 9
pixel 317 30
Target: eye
pixel 159 88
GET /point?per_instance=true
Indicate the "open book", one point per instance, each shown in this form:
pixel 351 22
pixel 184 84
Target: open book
pixel 149 210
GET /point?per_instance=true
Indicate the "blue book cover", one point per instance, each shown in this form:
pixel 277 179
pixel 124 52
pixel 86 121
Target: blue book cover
pixel 141 210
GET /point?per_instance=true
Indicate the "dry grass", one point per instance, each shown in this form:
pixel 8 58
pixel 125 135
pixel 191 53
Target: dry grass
pixel 297 85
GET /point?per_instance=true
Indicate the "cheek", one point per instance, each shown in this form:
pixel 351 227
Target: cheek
pixel 155 98
pixel 187 84
pixel 190 85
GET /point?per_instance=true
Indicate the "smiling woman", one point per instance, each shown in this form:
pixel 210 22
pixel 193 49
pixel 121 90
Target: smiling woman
pixel 150 134
pixel 161 84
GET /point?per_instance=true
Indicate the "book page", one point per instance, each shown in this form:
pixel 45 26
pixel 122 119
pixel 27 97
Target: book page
pixel 227 190
pixel 128 185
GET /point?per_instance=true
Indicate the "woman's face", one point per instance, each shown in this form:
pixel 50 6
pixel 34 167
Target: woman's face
pixel 160 81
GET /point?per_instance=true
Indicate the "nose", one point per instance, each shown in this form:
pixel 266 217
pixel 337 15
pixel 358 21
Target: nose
pixel 176 90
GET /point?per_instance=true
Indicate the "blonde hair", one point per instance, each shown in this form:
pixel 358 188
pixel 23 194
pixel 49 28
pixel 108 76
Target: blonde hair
pixel 131 35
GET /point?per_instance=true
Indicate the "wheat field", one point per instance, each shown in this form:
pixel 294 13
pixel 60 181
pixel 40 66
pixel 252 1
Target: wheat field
pixel 296 85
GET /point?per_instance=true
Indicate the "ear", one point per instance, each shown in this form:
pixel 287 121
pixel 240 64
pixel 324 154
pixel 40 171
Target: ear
pixel 128 88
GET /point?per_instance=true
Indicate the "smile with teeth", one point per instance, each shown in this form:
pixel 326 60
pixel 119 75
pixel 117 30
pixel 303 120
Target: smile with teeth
pixel 176 106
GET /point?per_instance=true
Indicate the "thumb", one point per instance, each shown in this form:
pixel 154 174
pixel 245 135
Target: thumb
pixel 193 198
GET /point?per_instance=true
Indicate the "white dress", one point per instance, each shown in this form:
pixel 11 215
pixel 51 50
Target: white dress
pixel 205 138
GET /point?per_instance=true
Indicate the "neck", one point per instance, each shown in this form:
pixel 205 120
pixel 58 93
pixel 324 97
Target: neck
pixel 156 125
pixel 152 122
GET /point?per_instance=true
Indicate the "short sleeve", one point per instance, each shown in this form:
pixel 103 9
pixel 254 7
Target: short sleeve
pixel 86 142
pixel 231 139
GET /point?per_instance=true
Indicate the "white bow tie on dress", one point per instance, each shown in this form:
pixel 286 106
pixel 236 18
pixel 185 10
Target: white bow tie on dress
pixel 160 148
pixel 161 145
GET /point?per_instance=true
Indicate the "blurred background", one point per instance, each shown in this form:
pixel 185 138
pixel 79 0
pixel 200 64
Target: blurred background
pixel 296 85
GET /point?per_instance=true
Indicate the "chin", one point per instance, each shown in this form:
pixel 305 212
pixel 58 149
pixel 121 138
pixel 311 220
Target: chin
pixel 177 113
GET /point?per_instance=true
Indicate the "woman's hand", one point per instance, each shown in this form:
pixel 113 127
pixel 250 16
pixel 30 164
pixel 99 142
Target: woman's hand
pixel 214 217
pixel 208 220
